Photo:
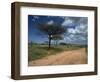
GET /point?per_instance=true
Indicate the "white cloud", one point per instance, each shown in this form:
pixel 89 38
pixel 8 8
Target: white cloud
pixel 36 17
pixel 81 28
pixel 33 19
pixel 67 22
pixel 50 22
pixel 71 30
pixel 77 35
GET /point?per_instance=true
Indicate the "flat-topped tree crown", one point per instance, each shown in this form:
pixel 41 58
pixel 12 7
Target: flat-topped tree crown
pixel 51 30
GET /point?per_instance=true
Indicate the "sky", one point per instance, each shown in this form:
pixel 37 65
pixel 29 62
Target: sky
pixel 77 28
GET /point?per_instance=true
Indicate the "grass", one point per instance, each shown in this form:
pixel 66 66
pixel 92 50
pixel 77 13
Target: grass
pixel 39 51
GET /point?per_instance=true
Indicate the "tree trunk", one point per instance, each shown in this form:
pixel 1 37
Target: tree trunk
pixel 56 42
pixel 49 41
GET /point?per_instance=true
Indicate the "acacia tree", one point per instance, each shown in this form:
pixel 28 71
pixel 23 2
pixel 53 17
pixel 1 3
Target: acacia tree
pixel 51 30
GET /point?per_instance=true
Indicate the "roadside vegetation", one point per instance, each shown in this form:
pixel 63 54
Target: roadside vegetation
pixel 37 51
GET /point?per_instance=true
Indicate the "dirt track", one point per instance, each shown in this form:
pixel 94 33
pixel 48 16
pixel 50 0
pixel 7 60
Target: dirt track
pixel 67 57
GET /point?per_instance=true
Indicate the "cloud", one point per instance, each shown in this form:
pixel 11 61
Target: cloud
pixel 71 30
pixel 33 19
pixel 50 22
pixel 83 20
pixel 75 39
pixel 67 22
pixel 78 34
pixel 77 29
pixel 81 28
pixel 36 17
pixel 74 20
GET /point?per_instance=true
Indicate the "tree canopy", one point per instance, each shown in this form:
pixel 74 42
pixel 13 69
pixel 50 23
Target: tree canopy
pixel 52 30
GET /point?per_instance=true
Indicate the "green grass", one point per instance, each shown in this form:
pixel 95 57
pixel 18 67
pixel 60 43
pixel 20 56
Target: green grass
pixel 39 51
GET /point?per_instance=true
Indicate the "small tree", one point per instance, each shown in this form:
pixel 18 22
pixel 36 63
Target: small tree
pixel 51 30
pixel 56 38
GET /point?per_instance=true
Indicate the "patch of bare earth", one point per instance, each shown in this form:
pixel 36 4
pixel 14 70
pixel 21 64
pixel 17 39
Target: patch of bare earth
pixel 64 58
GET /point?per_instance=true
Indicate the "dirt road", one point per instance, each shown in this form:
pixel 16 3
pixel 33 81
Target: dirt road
pixel 64 58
